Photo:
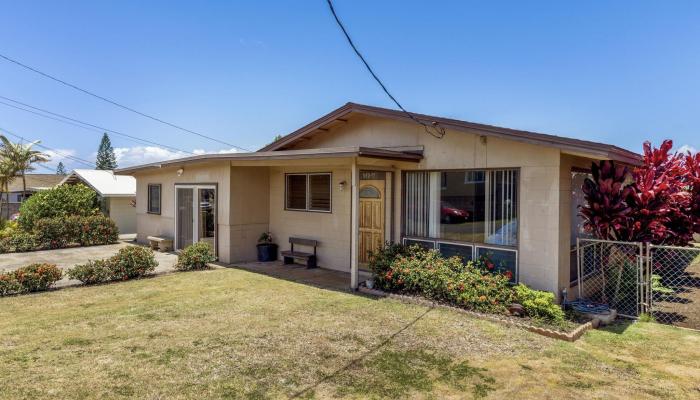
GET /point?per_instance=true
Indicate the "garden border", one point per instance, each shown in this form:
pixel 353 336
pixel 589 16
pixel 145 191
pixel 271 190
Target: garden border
pixel 565 336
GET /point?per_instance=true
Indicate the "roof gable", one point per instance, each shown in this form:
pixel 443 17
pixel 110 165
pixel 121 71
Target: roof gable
pixel 319 126
pixel 105 183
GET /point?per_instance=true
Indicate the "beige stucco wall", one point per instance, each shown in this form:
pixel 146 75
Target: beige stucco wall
pixel 539 241
pixel 250 210
pixel 164 224
pixel 123 214
pixel 332 230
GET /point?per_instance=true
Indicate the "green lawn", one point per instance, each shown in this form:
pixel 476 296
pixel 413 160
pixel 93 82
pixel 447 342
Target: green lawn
pixel 233 334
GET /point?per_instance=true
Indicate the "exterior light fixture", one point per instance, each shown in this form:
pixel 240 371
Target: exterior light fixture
pixel 341 186
pixel 180 171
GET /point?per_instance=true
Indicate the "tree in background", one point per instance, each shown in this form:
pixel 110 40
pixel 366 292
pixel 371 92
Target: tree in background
pixel 105 154
pixel 22 158
pixel 7 175
pixel 61 169
pixel 658 202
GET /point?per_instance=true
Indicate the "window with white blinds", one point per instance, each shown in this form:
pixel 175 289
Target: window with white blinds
pixel 476 206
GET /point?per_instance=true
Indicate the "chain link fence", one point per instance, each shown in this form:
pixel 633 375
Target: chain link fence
pixel 612 273
pixel 635 278
pixel 674 285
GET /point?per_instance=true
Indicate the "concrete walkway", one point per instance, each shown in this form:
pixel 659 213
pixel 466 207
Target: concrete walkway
pixel 318 277
pixel 67 258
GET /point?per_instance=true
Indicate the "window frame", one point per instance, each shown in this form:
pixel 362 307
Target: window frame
pixel 308 192
pixel 160 199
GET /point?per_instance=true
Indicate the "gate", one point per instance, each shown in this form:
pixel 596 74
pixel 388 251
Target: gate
pixel 636 278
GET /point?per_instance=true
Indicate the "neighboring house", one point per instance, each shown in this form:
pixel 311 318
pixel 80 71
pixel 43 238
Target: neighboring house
pixel 35 183
pixel 117 194
pixel 362 175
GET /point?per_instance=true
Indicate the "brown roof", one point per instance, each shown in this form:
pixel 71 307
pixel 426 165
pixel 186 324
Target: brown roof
pixel 329 152
pixel 598 150
pixel 36 182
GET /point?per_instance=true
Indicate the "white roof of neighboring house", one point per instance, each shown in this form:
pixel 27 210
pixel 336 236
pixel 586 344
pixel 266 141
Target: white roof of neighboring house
pixel 105 183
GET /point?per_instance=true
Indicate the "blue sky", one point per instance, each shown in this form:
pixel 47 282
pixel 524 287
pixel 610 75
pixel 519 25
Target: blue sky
pixel 618 72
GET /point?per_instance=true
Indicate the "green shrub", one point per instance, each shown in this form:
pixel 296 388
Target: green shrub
pixel 37 277
pixel 92 272
pixel 132 262
pixel 380 261
pixel 195 256
pixel 428 274
pixel 60 201
pixel 5 245
pixel 21 242
pixel 9 284
pixel 91 230
pixel 538 304
pixel 8 229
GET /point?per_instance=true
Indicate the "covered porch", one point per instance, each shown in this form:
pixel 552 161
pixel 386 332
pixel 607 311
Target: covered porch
pixel 346 199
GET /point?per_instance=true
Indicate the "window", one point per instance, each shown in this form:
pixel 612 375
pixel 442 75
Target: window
pixel 308 192
pixel 154 198
pixel 470 214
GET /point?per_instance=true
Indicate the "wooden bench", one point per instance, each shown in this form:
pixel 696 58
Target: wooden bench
pixel 291 255
pixel 160 243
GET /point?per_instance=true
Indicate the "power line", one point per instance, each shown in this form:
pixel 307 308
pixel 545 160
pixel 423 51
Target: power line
pixel 434 129
pixel 98 129
pixel 117 104
pixel 68 156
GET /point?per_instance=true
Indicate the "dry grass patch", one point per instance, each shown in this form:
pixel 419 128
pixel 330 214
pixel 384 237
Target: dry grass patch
pixel 234 334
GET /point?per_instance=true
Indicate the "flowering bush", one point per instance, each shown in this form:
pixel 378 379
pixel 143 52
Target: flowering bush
pixel 538 304
pixel 195 256
pixel 37 277
pixel 132 262
pixel 92 272
pixel 9 228
pixel 9 284
pixel 381 260
pixel 428 274
pixel 94 230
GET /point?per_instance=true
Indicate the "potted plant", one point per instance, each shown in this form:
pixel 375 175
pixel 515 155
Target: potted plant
pixel 267 250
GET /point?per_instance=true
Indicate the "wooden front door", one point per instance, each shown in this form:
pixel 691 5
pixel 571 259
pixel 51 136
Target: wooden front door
pixel 371 218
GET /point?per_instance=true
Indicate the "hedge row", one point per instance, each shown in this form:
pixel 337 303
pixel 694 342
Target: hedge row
pixel 129 263
pixel 32 278
pixel 473 285
pixel 60 232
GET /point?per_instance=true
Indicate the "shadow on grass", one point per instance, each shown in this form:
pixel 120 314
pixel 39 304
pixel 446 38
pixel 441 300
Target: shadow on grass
pixel 395 373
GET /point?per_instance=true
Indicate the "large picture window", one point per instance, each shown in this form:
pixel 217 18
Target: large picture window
pixel 308 192
pixel 466 206
pixel 470 207
pixel 154 198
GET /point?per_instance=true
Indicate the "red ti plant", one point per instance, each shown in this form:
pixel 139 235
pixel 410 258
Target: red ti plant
pixel 692 162
pixel 608 195
pixel 660 204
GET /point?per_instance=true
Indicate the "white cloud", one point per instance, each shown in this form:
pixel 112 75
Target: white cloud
pixel 687 148
pixel 128 156
pixel 60 154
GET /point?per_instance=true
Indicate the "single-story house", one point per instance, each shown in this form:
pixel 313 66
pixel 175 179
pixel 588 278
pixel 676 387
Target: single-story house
pixel 117 194
pixel 363 175
pixel 35 183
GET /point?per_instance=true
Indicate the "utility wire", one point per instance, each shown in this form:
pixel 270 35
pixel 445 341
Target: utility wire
pixel 433 129
pixel 67 156
pixel 117 104
pixel 97 128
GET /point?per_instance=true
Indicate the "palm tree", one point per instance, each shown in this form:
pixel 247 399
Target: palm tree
pixel 22 157
pixel 7 175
